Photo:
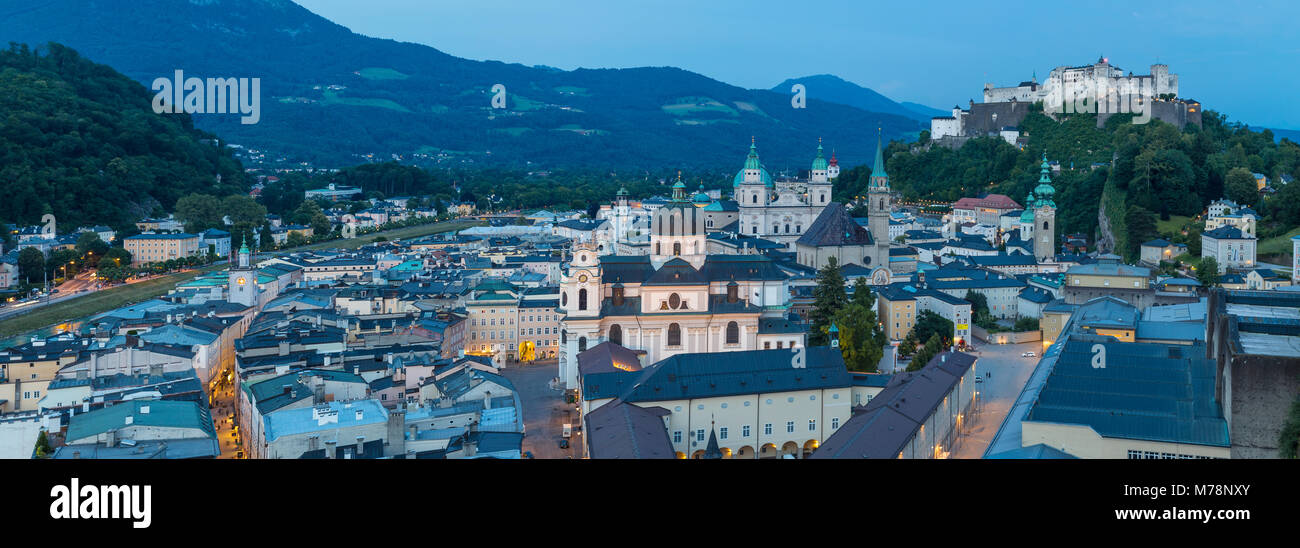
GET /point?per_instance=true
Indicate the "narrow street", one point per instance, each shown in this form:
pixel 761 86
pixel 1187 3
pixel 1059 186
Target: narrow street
pixel 545 412
pixel 1009 373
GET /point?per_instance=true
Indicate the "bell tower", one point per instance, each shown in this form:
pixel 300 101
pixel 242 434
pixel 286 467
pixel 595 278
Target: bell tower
pixel 1045 216
pixel 242 278
pixel 878 204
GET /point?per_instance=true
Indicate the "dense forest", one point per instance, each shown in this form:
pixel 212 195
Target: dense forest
pixel 81 141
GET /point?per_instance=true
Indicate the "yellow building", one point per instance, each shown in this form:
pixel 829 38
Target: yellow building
pixel 26 370
pixel 155 248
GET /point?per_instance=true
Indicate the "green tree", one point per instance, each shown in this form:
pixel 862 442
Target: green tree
pixel 908 346
pixel 1240 186
pixel 1141 225
pixel 295 239
pixel 115 256
pixel 929 324
pixel 90 243
pixel 31 265
pixel 828 298
pixel 199 212
pixel 243 209
pixel 862 341
pixel 1207 271
pixel 932 348
pixel 43 448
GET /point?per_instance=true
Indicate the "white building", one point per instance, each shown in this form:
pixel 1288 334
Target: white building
pixel 781 210
pixel 1230 247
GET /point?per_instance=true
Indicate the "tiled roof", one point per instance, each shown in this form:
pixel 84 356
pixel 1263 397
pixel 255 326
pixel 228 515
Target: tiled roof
pixel 835 227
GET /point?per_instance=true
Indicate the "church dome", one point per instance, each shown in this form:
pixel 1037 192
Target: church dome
pixel 701 198
pixel 752 162
pixel 1027 216
pixel 679 217
pixel 819 163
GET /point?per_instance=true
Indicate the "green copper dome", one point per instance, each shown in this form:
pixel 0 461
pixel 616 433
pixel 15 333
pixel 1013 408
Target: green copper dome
pixel 701 197
pixel 752 162
pixel 820 162
pixel 1027 216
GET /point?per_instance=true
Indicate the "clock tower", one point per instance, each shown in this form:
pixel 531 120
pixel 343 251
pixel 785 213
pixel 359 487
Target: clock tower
pixel 243 279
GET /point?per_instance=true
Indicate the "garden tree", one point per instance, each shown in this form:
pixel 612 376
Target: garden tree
pixel 414 203
pixel 929 324
pixel 862 341
pixel 243 209
pixel 909 344
pixel 199 212
pixel 43 448
pixel 932 348
pixel 979 304
pixel 268 239
pixel 295 239
pixel 31 265
pixel 828 298
pixel 1207 271
pixel 1141 225
pixel 320 224
pixel 115 256
pixel 1027 324
pixel 1240 186
pixel 89 242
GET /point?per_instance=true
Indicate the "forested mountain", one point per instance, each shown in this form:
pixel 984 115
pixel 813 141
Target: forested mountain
pixel 330 96
pixel 827 87
pixel 81 141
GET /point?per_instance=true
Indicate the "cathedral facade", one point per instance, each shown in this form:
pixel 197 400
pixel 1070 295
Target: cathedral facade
pixel 677 299
pixel 781 210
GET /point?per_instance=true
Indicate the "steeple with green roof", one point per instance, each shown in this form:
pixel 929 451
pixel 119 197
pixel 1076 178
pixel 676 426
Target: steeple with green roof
pixel 1044 189
pixel 753 165
pixel 679 189
pixel 819 163
pixel 879 179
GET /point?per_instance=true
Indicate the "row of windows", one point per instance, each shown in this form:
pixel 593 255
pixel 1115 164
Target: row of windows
pixel 1134 454
pixel 744 430
pixel 675 334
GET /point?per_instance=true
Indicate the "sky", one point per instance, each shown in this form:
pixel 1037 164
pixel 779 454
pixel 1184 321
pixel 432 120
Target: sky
pixel 1239 58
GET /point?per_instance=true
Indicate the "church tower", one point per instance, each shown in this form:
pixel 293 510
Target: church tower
pixel 878 206
pixel 622 216
pixel 677 230
pixel 833 169
pixel 1045 216
pixel 753 187
pixel 242 279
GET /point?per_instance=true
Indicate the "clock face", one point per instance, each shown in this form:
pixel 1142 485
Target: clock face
pixel 240 280
pixel 582 278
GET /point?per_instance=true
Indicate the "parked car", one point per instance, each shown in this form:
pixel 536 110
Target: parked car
pixel 564 443
pixel 1029 355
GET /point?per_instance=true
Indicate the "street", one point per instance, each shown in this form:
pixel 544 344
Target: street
pixel 1009 372
pixel 544 410
pixel 224 403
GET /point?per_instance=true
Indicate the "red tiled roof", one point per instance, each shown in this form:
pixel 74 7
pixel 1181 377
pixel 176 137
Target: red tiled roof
pixel 995 201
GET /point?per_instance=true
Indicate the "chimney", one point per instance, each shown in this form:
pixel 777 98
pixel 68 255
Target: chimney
pixel 329 448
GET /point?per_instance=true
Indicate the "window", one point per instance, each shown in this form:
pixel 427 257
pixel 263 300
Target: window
pixel 733 333
pixel 677 436
pixel 674 335
pixel 767 345
pixel 767 429
pixel 674 301
pixel 754 200
pixel 722 433
pixel 789 427
pixel 582 299
pixel 699 435
pixel 778 344
pixel 616 334
pixel 582 344
pixel 835 423
pixel 744 431
pixel 677 248
pixel 812 425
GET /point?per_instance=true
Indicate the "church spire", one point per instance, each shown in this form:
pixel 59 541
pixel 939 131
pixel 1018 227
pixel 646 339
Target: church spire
pixel 879 179
pixel 1044 190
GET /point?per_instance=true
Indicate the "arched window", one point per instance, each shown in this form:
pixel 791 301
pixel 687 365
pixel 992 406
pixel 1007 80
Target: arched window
pixel 823 198
pixel 564 298
pixel 658 250
pixel 582 344
pixel 674 335
pixel 582 299
pixel 733 333
pixel 677 248
pixel 882 204
pixel 754 199
pixel 1044 225
pixel 787 228
pixel 616 334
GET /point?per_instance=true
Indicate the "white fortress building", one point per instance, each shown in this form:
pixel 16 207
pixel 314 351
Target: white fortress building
pixel 1082 77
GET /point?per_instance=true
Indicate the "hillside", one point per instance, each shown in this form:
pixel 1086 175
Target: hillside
pixel 832 88
pixel 81 141
pixel 399 98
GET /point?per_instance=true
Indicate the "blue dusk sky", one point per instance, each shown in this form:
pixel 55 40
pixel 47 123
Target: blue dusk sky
pixel 1239 58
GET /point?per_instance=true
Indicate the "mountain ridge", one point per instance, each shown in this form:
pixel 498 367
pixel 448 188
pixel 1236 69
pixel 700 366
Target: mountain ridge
pixel 399 98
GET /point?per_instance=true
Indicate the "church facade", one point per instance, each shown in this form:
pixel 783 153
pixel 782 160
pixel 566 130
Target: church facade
pixel 781 210
pixel 677 300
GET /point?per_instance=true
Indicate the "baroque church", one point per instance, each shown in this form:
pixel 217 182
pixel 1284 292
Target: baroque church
pixel 678 299
pixel 1036 234
pixel 781 210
